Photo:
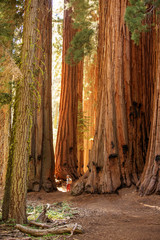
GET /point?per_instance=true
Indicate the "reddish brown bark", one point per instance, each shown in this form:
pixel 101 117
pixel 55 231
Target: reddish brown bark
pixel 80 134
pixel 42 156
pixel 150 179
pixel 89 105
pixel 124 114
pixel 4 142
pixel 66 146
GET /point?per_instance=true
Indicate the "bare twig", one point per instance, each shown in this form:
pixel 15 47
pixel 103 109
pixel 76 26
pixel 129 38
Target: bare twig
pixel 149 10
pixel 72 232
pixel 42 217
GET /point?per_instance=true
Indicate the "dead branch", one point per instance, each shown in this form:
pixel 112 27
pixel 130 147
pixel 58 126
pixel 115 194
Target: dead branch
pixel 73 230
pixel 44 225
pixel 56 230
pixel 37 224
pixel 42 217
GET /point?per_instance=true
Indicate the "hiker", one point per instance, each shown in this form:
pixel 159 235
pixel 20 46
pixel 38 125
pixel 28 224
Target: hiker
pixel 68 183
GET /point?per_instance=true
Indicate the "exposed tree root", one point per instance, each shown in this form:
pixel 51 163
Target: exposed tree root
pixel 79 186
pixel 69 228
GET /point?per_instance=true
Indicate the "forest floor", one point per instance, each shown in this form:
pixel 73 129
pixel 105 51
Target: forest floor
pixel 123 216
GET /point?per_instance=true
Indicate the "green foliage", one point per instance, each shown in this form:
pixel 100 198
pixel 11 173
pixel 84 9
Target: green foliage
pixel 137 14
pixel 84 16
pixel 80 46
pixel 134 16
pixel 83 123
pixel 11 26
pixel 11 16
pixel 57 211
pixel 83 120
pixel 5 98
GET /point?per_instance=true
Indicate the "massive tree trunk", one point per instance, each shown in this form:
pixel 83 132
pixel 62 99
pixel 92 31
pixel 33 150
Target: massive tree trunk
pixel 66 146
pixel 42 155
pixel 14 201
pixel 107 164
pixel 125 91
pixel 150 179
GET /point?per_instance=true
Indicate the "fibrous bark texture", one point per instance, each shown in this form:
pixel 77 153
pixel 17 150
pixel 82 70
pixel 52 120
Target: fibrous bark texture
pixel 9 74
pixel 150 179
pixel 89 105
pixel 42 155
pixel 66 145
pixel 14 201
pixel 4 142
pixel 80 127
pixel 125 92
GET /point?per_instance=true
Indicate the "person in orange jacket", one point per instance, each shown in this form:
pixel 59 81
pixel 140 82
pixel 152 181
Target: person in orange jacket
pixel 68 183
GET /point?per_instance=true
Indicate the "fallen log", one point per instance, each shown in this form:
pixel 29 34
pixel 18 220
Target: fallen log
pixel 69 228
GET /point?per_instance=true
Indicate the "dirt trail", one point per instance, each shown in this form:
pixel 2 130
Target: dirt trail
pixel 125 216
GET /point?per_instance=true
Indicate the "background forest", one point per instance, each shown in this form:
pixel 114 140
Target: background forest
pixel 106 68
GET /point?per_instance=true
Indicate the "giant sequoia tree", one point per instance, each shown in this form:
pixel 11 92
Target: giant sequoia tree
pixel 66 145
pixel 125 120
pixel 150 179
pixel 41 174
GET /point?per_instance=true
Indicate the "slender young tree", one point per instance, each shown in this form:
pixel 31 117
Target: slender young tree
pixel 14 201
pixel 66 145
